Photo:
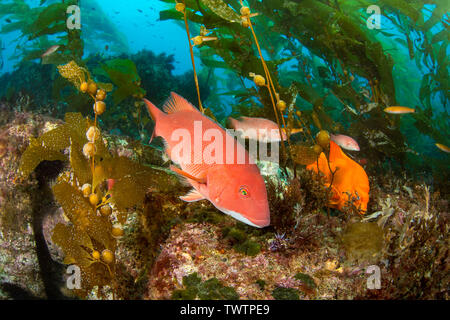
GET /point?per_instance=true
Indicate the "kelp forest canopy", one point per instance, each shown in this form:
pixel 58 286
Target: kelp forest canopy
pixel 336 64
pixel 333 63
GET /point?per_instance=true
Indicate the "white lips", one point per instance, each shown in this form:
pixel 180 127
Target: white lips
pixel 241 218
pixel 236 215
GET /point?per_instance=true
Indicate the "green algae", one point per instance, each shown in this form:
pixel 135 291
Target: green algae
pixel 363 241
pixel 124 75
pixel 261 284
pixel 282 293
pixel 249 247
pixel 211 289
pixel 208 215
pixel 306 279
pixel 241 242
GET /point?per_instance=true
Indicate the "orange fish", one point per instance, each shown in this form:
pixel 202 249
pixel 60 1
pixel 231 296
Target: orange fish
pixel 443 147
pixel 350 179
pixel 228 179
pixel 399 110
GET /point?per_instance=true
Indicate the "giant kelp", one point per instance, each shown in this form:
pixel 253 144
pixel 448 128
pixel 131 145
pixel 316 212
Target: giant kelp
pixel 37 24
pixel 312 74
pixel 97 189
pixel 88 232
pixel 46 25
pixel 99 30
pixel 123 73
pixel 134 74
pixel 340 69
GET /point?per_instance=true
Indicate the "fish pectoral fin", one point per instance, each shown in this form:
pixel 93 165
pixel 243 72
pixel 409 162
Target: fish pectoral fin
pixel 187 175
pixel 192 196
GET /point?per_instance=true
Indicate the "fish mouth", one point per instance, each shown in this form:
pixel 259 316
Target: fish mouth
pixel 251 222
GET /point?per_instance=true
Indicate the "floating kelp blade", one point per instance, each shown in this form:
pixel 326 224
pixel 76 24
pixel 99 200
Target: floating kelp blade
pixel 303 155
pixel 222 10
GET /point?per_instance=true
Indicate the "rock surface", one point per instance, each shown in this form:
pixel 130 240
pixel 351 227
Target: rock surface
pixel 157 253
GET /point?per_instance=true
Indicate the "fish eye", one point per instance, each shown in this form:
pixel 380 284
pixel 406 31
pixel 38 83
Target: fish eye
pixel 243 191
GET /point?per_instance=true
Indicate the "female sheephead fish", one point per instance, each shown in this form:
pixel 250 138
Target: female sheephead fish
pixel 346 142
pixel 399 110
pixel 260 129
pixel 233 186
pixel 50 51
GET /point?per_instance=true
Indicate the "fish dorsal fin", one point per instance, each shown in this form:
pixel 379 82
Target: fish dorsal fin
pixel 176 103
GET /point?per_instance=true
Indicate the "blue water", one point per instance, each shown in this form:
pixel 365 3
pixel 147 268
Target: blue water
pixel 141 30
pixel 137 22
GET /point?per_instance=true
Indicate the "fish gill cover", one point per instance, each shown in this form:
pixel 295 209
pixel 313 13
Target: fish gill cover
pixel 77 164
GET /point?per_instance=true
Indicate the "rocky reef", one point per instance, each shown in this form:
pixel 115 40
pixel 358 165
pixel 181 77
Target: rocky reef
pixel 174 250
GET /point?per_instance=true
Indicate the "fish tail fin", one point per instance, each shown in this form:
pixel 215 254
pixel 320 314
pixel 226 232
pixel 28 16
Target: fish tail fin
pixel 156 114
pixel 153 110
